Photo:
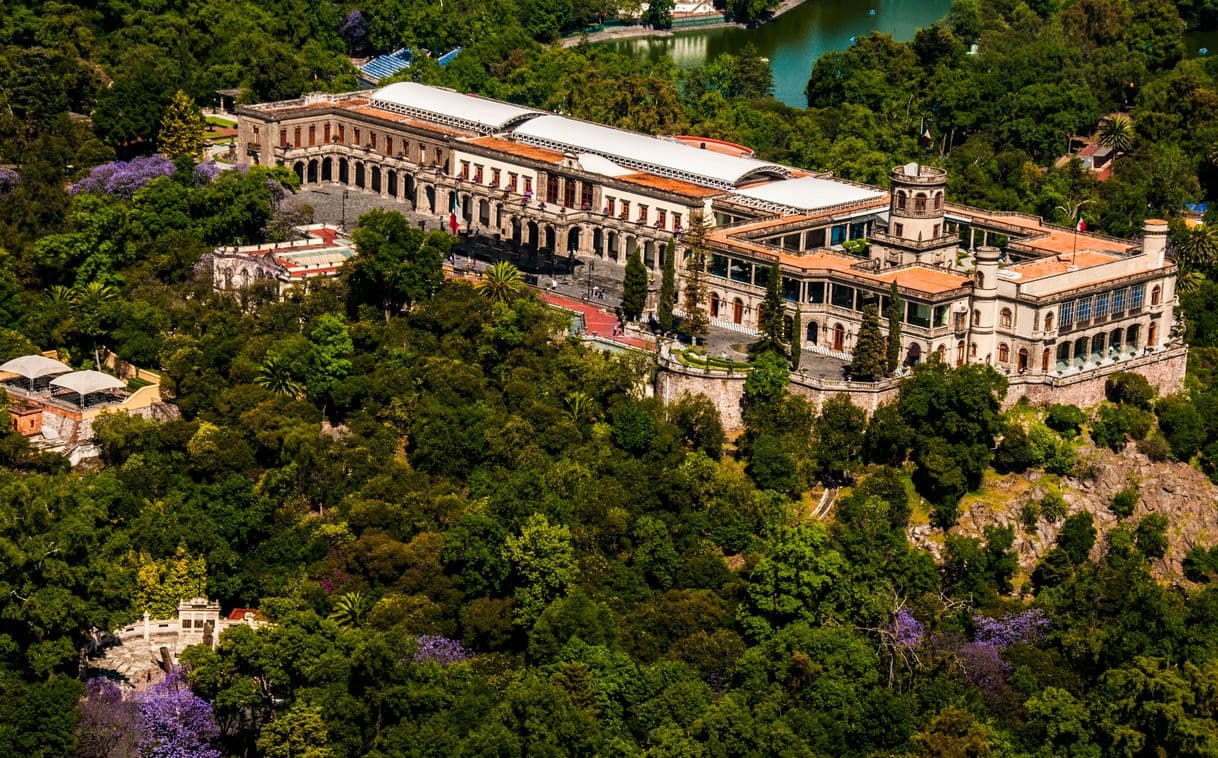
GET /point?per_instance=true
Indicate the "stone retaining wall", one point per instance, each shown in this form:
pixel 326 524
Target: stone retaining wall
pixel 1164 369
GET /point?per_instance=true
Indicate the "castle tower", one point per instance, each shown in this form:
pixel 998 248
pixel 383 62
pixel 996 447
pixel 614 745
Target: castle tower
pixel 984 317
pixel 916 232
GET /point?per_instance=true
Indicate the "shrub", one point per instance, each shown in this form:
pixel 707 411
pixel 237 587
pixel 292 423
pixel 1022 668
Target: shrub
pixel 1124 502
pixel 1066 420
pixel 1151 536
pixel 1050 451
pixel 1053 506
pixel 1115 423
pixel 1029 515
pixel 1155 447
pixel 1129 389
pixel 1181 424
pixel 1013 455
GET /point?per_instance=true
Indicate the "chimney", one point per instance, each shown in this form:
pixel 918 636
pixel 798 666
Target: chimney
pixel 1154 241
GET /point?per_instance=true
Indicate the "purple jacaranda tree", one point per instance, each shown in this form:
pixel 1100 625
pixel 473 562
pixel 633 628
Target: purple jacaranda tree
pixel 441 650
pixel 907 631
pixel 175 722
pixel 206 173
pixel 123 179
pixel 354 31
pixel 1023 628
pixel 109 723
pixel 9 179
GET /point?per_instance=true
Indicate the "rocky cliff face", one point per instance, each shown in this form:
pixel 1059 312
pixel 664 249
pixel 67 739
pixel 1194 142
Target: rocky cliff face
pixel 1181 493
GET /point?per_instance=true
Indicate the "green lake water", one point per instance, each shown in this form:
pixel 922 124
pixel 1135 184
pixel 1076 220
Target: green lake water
pixel 796 39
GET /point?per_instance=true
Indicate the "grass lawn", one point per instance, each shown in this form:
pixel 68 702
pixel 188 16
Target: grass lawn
pixel 219 121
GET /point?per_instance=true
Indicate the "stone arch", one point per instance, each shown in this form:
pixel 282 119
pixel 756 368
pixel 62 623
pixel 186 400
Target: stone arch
pixel 1063 355
pixel 1045 357
pixel 1080 351
pixel 914 355
pixel 1004 353
pixel 1115 341
pixel 311 174
pixel 550 239
pixel 327 169
pixel 1025 359
pixel 902 199
pixel 615 251
pixel 737 311
pixel 1005 318
pixel 1156 295
pixel 516 232
pixel 359 175
pixel 1098 343
pixel 344 172
pixel 430 193
pixel 484 212
pixel 1049 321
pixel 1132 335
pixel 411 189
pixel 1152 335
pixel 375 180
pixel 391 180
pixel 598 242
pixel 299 169
pixel 941 353
pixel 574 237
pixel 977 314
pixel 960 353
pixel 649 254
pixel 813 332
pixel 532 235
pixel 714 305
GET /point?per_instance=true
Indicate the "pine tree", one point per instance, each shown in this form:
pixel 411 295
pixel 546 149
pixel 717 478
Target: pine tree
pixel 796 339
pixel 895 307
pixel 869 358
pixel 634 286
pixel 773 310
pixel 695 322
pixel 668 289
pixel 181 133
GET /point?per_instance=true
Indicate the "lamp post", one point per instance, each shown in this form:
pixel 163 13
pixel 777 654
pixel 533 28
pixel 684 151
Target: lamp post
pixel 345 193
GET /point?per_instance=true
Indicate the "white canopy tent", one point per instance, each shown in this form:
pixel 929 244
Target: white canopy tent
pixel 87 383
pixel 34 367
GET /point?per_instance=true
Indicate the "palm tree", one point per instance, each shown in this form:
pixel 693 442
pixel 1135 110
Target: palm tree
pixel 580 406
pixel 275 374
pixel 1199 246
pixel 1189 282
pixel 88 304
pixel 1117 134
pixel 351 609
pixel 501 283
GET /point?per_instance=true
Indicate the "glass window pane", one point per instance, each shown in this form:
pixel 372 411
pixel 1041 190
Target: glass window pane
pixel 739 271
pixel 1118 300
pixel 718 265
pixel 1101 305
pixel 843 297
pixel 1067 315
pixel 790 289
pixel 839 234
pixel 940 315
pixel 917 314
pixel 1137 294
pixel 816 292
pixel 816 238
pixel 1082 309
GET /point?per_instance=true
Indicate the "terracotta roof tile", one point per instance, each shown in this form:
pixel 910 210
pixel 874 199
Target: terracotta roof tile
pixel 518 148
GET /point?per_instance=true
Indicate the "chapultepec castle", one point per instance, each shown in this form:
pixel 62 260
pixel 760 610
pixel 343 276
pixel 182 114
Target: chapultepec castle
pixel 1053 308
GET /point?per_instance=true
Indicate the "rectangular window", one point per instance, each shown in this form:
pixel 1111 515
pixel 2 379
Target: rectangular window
pixel 1082 309
pixel 816 292
pixel 858 230
pixel 790 289
pixel 718 265
pixel 839 235
pixel 528 185
pixel 422 154
pixel 388 145
pixel 372 139
pixel 552 189
pixel 585 196
pixel 495 177
pixel 676 222
pixel 642 214
pixel 464 169
pixel 478 172
pixel 625 210
pixel 843 296
pixel 1118 300
pixel 356 142
pixel 816 238
pixel 917 314
pixel 739 271
pixel 761 276
pixel 1066 319
pixel 661 218
pixel 296 137
pixel 342 132
pixel 1137 295
pixel 512 178
pixel 312 135
pixel 898 230
pixel 283 137
pixel 940 315
pixel 789 242
pixel 325 133
pixel 1101 305
pixel 610 206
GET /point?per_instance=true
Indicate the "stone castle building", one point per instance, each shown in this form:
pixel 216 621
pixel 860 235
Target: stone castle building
pixel 1044 303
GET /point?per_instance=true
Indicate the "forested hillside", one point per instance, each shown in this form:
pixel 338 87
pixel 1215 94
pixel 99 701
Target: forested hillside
pixel 474 536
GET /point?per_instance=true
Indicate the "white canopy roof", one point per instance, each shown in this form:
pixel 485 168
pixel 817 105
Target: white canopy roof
pixel 603 166
pixel 663 157
pixel 806 194
pixel 85 382
pixel 445 106
pixel 35 366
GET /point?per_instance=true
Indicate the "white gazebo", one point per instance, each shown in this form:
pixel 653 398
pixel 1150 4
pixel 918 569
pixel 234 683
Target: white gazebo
pixel 34 367
pixel 87 383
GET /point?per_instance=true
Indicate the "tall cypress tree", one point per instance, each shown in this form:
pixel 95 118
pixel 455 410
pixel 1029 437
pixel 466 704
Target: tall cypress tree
pixel 668 289
pixel 773 309
pixel 634 286
pixel 869 360
pixel 796 339
pixel 695 322
pixel 896 307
